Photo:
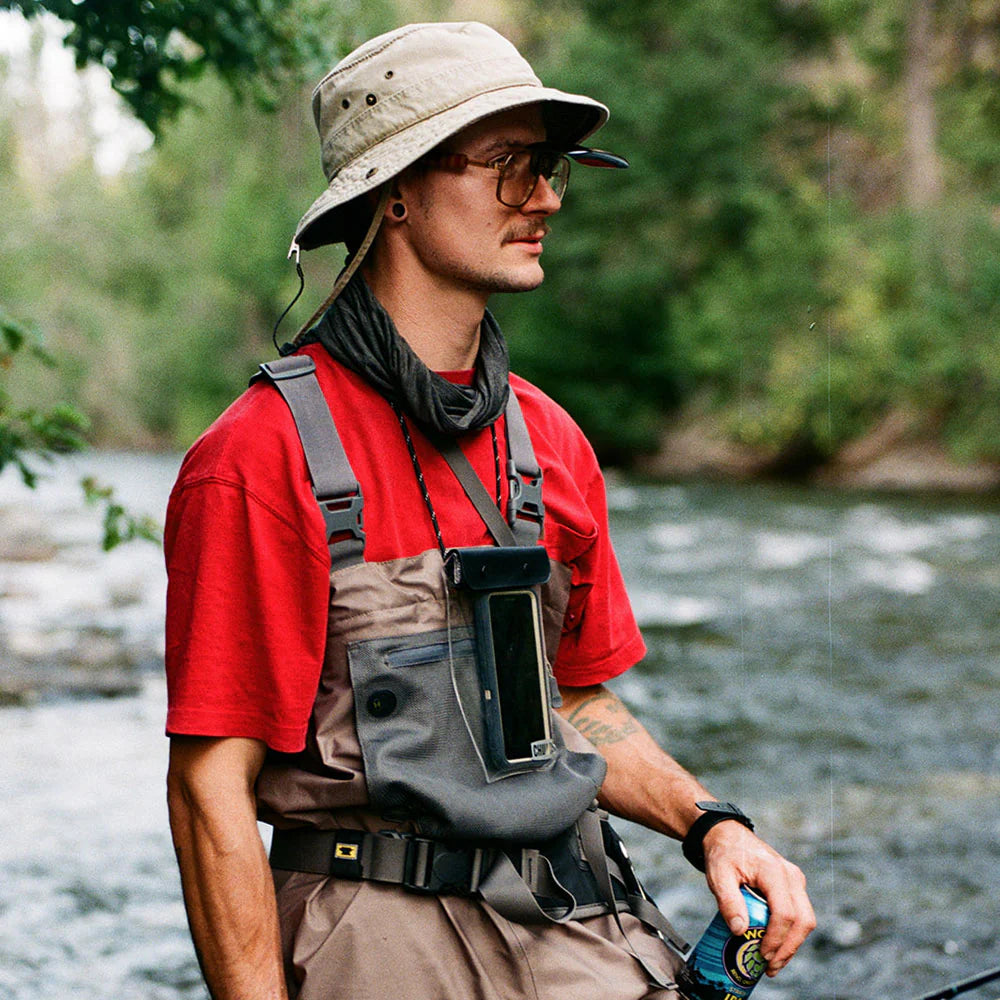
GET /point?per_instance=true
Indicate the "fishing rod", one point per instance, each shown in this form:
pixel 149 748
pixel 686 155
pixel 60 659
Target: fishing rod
pixel 961 987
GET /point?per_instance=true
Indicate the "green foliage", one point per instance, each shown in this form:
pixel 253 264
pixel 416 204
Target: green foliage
pixel 31 432
pixel 159 289
pixel 151 49
pixel 694 92
pixel 755 261
pixel 119 526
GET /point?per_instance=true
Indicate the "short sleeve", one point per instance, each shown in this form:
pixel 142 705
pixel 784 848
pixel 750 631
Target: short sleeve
pixel 247 600
pixel 600 637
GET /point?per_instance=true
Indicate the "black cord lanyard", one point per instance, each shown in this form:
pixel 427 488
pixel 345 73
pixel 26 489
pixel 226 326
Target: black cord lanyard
pixel 423 483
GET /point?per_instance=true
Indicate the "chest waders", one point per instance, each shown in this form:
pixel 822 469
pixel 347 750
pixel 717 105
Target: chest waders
pixel 400 727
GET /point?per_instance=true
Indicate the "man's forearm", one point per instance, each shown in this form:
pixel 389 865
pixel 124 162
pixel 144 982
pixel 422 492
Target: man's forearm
pixel 644 783
pixel 647 785
pixel 228 890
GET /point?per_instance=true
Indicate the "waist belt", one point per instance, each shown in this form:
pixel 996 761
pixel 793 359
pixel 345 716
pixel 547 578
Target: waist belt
pixel 424 865
pixel 555 881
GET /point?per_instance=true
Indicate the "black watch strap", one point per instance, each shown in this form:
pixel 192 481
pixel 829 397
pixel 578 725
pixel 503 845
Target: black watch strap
pixel 712 813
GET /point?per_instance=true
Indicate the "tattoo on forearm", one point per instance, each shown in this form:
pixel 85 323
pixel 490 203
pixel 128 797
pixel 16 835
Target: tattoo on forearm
pixel 603 719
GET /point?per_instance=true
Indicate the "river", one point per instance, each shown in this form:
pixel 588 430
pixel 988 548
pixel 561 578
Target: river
pixel 830 662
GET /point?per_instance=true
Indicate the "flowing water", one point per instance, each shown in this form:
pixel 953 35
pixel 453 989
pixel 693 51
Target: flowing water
pixel 829 662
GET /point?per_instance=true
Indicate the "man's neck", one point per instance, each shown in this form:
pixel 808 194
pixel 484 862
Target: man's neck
pixel 440 324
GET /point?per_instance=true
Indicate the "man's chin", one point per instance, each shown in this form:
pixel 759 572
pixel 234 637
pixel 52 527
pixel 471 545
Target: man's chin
pixel 526 282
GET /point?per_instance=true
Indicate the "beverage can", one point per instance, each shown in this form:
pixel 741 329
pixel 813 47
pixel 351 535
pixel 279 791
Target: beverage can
pixel 726 966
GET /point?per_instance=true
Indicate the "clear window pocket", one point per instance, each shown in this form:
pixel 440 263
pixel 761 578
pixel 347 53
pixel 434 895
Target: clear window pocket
pixel 514 678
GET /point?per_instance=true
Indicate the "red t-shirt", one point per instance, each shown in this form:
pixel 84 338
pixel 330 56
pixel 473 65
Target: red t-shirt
pixel 248 565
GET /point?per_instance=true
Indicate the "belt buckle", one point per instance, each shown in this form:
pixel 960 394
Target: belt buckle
pixel 418 866
pixel 434 868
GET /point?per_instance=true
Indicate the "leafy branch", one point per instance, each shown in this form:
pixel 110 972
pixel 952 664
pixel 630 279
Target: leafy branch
pixel 119 525
pixel 151 49
pixel 30 431
pixel 41 434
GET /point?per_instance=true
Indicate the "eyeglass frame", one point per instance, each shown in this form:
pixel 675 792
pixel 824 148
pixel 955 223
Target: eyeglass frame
pixel 459 161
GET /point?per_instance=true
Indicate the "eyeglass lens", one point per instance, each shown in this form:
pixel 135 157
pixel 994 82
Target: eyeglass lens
pixel 520 174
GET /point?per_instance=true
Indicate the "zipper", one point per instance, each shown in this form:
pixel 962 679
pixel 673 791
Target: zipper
pixel 414 656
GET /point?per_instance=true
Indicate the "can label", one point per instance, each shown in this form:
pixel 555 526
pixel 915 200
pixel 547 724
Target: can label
pixel 725 966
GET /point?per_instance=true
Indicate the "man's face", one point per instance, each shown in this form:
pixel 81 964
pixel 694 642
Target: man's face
pixel 460 233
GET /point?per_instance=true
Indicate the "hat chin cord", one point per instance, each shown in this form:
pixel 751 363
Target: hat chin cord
pixel 344 277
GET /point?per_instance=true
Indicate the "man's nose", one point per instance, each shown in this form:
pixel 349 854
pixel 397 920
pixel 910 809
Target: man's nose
pixel 543 200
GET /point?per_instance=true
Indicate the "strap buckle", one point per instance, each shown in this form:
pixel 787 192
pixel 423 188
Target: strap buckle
pixel 418 866
pixel 344 516
pixel 432 868
pixel 525 496
pixel 289 367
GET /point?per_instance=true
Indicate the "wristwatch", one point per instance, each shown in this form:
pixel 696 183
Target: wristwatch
pixel 712 813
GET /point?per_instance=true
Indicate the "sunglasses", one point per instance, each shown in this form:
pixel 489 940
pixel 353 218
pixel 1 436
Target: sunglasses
pixel 519 171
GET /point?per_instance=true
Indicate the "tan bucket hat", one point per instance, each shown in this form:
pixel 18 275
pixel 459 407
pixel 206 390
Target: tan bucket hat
pixel 403 93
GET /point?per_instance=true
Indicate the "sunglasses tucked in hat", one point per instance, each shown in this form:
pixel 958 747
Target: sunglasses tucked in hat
pixel 401 94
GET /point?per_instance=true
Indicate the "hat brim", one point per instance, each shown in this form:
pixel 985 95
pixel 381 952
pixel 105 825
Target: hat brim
pixel 571 117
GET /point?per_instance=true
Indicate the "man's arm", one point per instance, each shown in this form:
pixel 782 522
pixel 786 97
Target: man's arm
pixel 647 786
pixel 228 890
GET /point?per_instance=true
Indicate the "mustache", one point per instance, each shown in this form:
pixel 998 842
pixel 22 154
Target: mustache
pixel 529 232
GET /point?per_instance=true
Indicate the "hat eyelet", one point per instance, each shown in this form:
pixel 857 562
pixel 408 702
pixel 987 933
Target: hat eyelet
pixel 371 173
pixel 345 103
pixel 371 99
pixel 389 74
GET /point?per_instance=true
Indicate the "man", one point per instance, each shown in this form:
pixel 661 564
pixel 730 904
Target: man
pixel 344 676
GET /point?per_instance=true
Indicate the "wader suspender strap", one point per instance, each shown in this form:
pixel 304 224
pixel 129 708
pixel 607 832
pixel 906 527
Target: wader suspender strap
pixel 339 494
pixel 525 510
pixel 334 483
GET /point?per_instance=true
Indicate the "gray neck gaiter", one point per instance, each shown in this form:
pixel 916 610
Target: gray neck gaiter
pixel 360 334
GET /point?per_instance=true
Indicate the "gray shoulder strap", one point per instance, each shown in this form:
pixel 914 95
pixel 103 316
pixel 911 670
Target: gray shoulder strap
pixel 525 510
pixel 334 483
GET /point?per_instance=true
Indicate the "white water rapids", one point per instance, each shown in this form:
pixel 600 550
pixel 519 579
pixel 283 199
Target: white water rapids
pixel 832 663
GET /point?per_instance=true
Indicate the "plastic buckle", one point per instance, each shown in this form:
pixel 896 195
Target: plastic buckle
pixel 525 496
pixel 418 868
pixel 344 515
pixel 433 868
pixel 346 854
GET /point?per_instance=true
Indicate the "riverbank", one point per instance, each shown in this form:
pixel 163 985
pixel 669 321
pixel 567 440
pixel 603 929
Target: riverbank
pixel 898 455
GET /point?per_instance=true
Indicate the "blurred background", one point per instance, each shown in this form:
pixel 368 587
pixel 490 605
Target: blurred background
pixel 779 329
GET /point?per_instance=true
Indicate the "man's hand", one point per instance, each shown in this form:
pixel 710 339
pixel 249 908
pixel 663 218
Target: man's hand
pixel 733 857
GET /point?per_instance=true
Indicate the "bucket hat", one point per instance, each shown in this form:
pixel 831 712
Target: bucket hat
pixel 401 94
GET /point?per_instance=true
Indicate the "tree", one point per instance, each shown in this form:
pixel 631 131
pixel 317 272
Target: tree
pixel 153 50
